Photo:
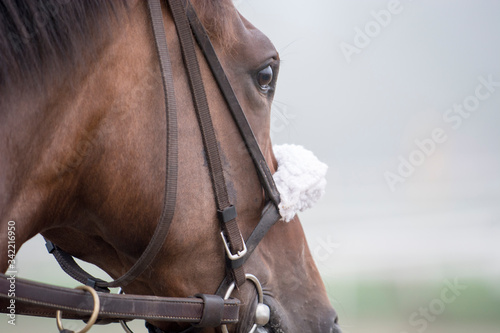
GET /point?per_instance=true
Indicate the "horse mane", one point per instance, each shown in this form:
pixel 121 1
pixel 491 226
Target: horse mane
pixel 39 37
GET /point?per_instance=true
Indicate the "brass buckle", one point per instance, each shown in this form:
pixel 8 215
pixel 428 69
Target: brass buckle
pixel 230 255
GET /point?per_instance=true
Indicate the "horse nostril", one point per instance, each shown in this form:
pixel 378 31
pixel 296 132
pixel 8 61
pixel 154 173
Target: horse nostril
pixel 335 328
pixel 331 325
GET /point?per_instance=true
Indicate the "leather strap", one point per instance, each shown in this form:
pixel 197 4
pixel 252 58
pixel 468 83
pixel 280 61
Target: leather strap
pixel 70 267
pixel 227 212
pixel 270 215
pixel 37 299
pixel 239 117
pixel 64 259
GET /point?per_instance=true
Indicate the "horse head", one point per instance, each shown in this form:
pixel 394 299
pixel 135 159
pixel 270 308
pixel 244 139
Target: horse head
pixel 83 159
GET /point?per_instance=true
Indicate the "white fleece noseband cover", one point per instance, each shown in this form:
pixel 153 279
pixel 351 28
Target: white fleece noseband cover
pixel 300 179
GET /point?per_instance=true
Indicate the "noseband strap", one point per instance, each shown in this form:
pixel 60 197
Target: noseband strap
pixel 39 299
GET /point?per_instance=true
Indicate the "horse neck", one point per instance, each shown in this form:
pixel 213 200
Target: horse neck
pixel 53 133
pixel 30 126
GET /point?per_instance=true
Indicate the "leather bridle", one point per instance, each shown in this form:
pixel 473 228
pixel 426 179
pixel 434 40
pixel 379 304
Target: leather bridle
pixel 203 310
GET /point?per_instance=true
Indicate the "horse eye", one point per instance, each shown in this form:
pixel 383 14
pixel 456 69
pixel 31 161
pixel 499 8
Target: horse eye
pixel 264 78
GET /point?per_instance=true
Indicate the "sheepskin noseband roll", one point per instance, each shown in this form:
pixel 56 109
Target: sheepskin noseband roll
pixel 300 179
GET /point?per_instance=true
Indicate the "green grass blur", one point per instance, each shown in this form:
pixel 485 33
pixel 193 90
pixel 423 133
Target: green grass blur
pixel 387 306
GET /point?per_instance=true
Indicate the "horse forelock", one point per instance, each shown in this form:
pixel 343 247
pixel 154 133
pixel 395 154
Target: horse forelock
pixel 39 39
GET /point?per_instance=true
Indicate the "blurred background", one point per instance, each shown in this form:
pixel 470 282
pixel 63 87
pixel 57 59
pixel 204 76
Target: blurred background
pixel 386 93
pixel 401 99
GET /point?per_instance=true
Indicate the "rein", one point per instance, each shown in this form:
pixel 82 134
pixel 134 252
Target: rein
pixel 38 299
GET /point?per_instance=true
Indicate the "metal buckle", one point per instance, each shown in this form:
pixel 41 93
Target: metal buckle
pixel 230 255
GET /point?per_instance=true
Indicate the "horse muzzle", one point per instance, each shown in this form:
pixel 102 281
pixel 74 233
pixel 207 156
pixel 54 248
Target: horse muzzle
pixel 310 319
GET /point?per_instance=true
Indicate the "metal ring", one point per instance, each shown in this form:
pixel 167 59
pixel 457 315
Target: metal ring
pixel 93 317
pixel 260 295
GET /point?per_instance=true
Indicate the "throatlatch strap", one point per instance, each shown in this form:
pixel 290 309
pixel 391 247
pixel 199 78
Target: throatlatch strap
pixel 170 189
pixel 230 225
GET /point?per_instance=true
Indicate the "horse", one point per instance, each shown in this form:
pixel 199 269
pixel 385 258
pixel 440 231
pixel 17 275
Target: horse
pixel 82 154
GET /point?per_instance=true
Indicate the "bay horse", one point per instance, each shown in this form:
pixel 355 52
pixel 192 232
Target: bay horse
pixel 82 153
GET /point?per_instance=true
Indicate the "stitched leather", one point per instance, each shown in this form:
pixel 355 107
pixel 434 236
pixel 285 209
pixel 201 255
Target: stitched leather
pixel 37 299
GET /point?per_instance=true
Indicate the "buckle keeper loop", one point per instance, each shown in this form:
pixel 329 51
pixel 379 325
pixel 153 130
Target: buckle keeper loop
pixel 227 214
pixel 213 310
